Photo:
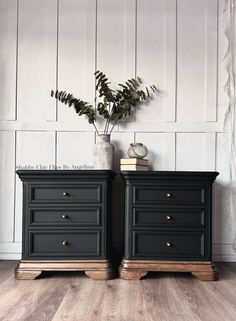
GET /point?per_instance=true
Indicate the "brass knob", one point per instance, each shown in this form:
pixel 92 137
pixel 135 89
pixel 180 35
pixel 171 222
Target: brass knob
pixel 65 243
pixel 168 195
pixel 168 244
pixel 65 194
pixel 65 216
pixel 168 217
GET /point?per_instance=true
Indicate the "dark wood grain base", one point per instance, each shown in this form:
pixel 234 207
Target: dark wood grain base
pixel 96 270
pixel 135 270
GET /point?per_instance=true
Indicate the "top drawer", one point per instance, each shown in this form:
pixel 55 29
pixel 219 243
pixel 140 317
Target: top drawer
pixel 65 193
pixel 169 194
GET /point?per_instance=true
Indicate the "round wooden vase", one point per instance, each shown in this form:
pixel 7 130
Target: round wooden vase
pixel 103 152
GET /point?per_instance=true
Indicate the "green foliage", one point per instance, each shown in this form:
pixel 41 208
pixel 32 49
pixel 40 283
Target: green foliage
pixel 113 105
pixel 81 107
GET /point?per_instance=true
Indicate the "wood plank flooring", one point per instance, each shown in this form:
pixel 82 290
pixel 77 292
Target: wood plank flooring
pixel 158 297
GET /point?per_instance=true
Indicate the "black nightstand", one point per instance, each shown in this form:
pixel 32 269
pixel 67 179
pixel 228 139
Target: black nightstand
pixel 66 222
pixel 168 223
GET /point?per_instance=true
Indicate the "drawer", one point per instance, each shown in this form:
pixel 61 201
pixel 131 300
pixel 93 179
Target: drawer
pixel 63 244
pixel 169 195
pixel 169 245
pixel 181 217
pixel 89 216
pixel 65 193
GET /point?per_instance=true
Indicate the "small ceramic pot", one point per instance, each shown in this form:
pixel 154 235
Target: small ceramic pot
pixel 137 150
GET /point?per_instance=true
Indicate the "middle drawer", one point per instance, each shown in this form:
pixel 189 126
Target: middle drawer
pixel 169 217
pixel 80 216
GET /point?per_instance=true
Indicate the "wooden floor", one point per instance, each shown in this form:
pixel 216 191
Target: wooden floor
pixel 158 297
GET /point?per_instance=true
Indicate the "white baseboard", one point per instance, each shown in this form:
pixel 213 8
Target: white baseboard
pixel 10 251
pixel 10 256
pixel 224 258
pixel 221 252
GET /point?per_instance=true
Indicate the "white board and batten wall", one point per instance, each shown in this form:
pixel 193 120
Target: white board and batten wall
pixel 48 44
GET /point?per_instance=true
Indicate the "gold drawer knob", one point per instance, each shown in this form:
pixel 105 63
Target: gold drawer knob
pixel 168 217
pixel 65 243
pixel 168 195
pixel 168 244
pixel 65 194
pixel 65 216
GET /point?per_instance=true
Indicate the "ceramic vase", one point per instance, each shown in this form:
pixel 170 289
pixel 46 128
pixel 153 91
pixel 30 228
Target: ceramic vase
pixel 103 152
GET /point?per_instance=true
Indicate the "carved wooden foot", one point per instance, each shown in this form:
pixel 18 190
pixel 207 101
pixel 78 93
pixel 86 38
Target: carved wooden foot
pixel 210 274
pixel 128 274
pixel 106 274
pixel 135 270
pixel 26 275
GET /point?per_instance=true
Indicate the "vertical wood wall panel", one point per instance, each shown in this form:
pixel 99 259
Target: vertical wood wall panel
pixel 76 52
pixel 222 220
pixel 211 60
pixel 121 142
pixel 190 149
pixel 161 148
pixel 8 45
pixel 209 152
pixel 36 150
pixel 170 146
pixel 37 59
pixel 7 183
pixel 170 61
pixel 196 57
pixel 116 39
pixel 75 149
pixel 222 97
pixel 151 35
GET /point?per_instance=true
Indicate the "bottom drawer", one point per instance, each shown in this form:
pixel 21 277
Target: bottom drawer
pixel 174 245
pixel 82 243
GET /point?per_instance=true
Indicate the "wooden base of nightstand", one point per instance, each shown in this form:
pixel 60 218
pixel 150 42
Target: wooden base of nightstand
pixel 96 270
pixel 135 270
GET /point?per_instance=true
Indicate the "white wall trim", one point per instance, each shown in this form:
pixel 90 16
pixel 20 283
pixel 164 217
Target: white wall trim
pixel 10 251
pixel 223 252
pixel 149 126
pixel 10 256
pixel 10 247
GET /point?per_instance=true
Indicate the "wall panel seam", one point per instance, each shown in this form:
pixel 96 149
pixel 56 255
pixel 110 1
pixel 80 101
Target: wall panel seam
pixel 14 214
pixel 17 56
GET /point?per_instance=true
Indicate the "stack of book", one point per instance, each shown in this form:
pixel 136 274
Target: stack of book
pixel 133 164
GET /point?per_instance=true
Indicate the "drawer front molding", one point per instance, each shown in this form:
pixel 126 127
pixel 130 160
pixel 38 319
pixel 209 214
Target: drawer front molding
pixel 170 245
pixel 59 216
pixel 189 194
pixel 65 193
pixel 60 243
pixel 169 217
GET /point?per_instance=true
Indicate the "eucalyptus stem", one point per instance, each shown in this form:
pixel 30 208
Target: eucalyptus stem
pixel 108 123
pixel 108 119
pixel 113 126
pixel 106 129
pixel 96 128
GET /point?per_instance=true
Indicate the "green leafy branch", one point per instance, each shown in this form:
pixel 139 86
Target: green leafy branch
pixel 113 105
